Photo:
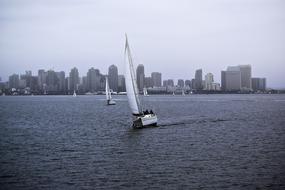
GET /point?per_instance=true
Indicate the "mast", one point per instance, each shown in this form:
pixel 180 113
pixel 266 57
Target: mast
pixel 131 83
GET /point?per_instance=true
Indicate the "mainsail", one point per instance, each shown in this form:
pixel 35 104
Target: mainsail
pixel 131 83
pixel 108 94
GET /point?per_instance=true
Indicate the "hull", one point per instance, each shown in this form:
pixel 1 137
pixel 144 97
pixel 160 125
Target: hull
pixel 145 121
pixel 111 102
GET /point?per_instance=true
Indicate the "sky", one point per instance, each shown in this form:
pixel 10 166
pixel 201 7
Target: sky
pixel 174 37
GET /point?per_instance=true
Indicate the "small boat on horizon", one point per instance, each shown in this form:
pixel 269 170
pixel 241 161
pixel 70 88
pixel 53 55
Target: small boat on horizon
pixel 74 94
pixel 145 92
pixel 109 99
pixel 141 118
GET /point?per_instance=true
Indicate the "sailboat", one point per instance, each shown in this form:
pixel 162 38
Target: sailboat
pixel 141 118
pixel 74 94
pixel 183 93
pixel 108 94
pixel 145 92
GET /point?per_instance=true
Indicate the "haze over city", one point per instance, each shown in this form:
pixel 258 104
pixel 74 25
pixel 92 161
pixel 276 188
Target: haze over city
pixel 174 38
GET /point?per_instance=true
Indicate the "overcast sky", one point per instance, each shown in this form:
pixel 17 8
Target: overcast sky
pixel 173 37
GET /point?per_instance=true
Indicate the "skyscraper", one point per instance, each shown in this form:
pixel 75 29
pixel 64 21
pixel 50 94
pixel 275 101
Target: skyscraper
pixel 165 82
pixel 61 80
pixel 41 78
pixel 156 79
pixel 92 80
pixel 231 79
pixel 148 82
pixel 140 77
pixel 245 71
pixel 258 84
pixel 14 81
pixel 209 80
pixel 121 83
pixel 170 82
pixel 198 79
pixel 73 79
pixel 113 78
pixel 52 81
pixel 223 80
pixel 188 83
pixel 180 83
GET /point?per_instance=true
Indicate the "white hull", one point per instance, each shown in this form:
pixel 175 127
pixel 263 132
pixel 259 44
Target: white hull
pixel 111 102
pixel 144 121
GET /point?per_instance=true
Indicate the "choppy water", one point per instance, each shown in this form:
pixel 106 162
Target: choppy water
pixel 202 142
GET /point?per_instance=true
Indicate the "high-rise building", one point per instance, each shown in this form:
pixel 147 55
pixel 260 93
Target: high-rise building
pixel 121 83
pixel 258 84
pixel 165 82
pixel 245 71
pixel 52 81
pixel 223 80
pixel 14 81
pixel 73 79
pixel 193 83
pixel 209 80
pixel 231 79
pixel 170 82
pixel 140 77
pixel 188 83
pixel 198 79
pixel 113 78
pixel 148 82
pixel 61 80
pixel 156 79
pixel 26 80
pixel 92 80
pixel 41 78
pixel 180 83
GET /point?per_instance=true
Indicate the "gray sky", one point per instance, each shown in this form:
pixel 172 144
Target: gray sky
pixel 173 37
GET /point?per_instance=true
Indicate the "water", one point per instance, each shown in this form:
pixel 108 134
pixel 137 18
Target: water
pixel 202 142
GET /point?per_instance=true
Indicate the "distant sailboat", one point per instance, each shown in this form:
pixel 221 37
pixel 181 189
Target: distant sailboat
pixel 145 92
pixel 183 93
pixel 141 118
pixel 108 94
pixel 74 94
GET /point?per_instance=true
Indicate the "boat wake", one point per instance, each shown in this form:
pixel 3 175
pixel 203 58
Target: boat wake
pixel 192 121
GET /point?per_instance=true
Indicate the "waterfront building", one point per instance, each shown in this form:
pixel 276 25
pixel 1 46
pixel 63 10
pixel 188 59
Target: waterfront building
pixel 209 80
pixel 258 84
pixel 113 78
pixel 121 83
pixel 198 80
pixel 41 78
pixel 231 79
pixel 170 83
pixel 148 82
pixel 14 81
pixel 156 79
pixel 245 71
pixel 73 79
pixel 140 77
pixel 165 83
pixel 180 83
pixel 92 81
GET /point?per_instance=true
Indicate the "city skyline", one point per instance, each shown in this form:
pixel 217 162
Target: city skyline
pixel 166 36
pixel 235 79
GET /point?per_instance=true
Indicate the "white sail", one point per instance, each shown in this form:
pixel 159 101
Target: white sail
pixel 131 83
pixel 108 94
pixel 145 92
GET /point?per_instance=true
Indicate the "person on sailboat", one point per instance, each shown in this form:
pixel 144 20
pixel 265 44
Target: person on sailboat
pixel 151 112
